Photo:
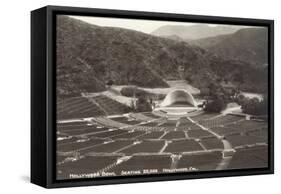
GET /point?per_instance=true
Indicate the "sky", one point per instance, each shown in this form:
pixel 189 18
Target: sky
pixel 146 26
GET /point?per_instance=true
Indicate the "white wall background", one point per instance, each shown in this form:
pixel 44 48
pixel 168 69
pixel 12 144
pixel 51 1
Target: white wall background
pixel 15 94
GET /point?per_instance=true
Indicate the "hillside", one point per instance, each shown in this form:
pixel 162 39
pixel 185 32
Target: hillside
pixel 208 42
pixel 197 31
pixel 88 56
pixel 249 45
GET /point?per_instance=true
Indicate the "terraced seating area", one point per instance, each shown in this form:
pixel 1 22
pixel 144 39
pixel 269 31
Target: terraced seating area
pixel 227 130
pixel 130 135
pixel 110 106
pixel 263 134
pixel 186 124
pixel 174 135
pixel 123 143
pixel 220 121
pixel 212 143
pixel 77 107
pixel 229 119
pixel 86 130
pixel 200 161
pixel 242 140
pixel 240 127
pixel 75 146
pixel 203 116
pixel 144 128
pixel 109 133
pixel 179 146
pixel 109 122
pixel 110 147
pixel 169 124
pixel 249 125
pixel 79 129
pixel 183 124
pixel 151 135
pixel 199 133
pixel 254 157
pixel 145 147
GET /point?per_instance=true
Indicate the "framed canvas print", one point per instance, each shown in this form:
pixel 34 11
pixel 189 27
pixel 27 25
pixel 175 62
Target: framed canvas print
pixel 125 96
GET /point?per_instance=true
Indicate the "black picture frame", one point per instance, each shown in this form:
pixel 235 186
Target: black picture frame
pixel 43 95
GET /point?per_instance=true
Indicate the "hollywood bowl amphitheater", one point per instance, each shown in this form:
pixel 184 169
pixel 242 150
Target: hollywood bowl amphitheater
pixel 99 135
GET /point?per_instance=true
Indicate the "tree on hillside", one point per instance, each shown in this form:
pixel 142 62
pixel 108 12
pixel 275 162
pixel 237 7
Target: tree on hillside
pixel 238 77
pixel 218 98
pixel 109 83
pixel 254 106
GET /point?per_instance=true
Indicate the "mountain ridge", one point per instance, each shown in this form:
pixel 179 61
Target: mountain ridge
pixel 248 44
pixel 192 32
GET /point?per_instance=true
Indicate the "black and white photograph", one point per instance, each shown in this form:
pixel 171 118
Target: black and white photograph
pixel 141 97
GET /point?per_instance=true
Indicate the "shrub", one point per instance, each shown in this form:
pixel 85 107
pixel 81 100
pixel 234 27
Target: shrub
pixel 254 106
pixel 216 105
pixel 142 105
